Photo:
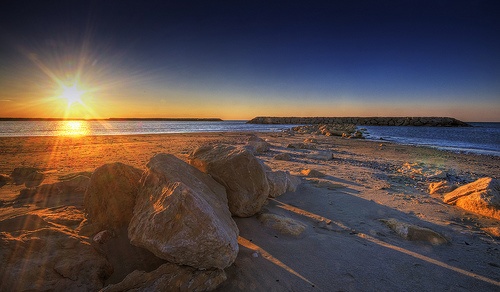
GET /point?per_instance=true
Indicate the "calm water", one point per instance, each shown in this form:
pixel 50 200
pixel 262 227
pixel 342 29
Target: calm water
pixel 483 138
pixel 78 128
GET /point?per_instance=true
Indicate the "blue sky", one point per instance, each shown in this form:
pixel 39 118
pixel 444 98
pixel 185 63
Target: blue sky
pixel 240 59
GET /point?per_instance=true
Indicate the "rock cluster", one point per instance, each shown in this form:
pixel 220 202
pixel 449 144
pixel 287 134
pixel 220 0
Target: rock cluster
pixel 182 215
pixel 341 130
pixel 242 175
pixel 175 216
pixel 366 121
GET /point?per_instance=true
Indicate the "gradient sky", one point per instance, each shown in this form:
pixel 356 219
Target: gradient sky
pixel 240 59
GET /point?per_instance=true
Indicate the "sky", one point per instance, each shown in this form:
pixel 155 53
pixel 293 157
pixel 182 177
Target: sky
pixel 241 59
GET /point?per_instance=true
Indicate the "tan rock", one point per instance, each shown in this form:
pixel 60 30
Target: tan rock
pixel 284 225
pixel 301 146
pixel 259 146
pixel 182 216
pixel 480 197
pixel 414 233
pixel 4 179
pixel 312 173
pixel 50 259
pixel 292 183
pixel 170 277
pixel 280 182
pixel 75 185
pixel 493 231
pixel 310 140
pixel 327 184
pixel 239 172
pixel 110 197
pixel 321 155
pixel 282 156
pixel 29 176
pixel 440 187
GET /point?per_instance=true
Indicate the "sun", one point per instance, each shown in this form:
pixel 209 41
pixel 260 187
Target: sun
pixel 72 94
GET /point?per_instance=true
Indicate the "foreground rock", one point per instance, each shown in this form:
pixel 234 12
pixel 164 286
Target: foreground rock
pixel 284 225
pixel 280 182
pixel 414 233
pixel 440 187
pixel 110 198
pixel 56 194
pixel 4 179
pixel 29 176
pixel 182 216
pixel 239 172
pixel 170 277
pixel 48 258
pixel 257 145
pixel 312 173
pixel 481 197
pixel 321 155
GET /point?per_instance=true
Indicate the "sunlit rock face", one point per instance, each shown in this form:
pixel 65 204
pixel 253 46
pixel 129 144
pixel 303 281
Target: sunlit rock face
pixel 242 175
pixel 181 215
pixel 481 197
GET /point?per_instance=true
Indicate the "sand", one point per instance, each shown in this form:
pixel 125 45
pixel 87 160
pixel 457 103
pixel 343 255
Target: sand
pixel 331 234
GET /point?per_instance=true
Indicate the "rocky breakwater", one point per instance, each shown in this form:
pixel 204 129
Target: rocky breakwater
pixel 364 121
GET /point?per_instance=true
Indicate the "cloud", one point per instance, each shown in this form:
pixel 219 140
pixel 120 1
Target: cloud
pixel 5 100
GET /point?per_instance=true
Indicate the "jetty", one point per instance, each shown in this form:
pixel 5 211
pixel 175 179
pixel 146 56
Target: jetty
pixel 364 121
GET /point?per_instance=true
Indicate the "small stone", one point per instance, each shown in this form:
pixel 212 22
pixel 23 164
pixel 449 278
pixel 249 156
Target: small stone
pixel 283 156
pixel 312 173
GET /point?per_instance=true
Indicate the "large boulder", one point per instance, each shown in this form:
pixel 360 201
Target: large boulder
pixel 182 216
pixel 170 277
pixel 481 197
pixel 110 197
pixel 242 175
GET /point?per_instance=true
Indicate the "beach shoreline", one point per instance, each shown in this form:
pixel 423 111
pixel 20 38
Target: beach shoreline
pixel 345 245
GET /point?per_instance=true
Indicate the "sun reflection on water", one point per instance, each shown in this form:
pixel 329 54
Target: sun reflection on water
pixel 74 128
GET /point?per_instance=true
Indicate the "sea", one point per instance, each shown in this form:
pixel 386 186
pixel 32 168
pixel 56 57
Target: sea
pixel 481 138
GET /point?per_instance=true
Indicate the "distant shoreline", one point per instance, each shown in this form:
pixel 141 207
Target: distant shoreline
pixel 119 119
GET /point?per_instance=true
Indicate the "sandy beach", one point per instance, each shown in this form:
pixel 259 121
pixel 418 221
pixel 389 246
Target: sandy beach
pixel 345 243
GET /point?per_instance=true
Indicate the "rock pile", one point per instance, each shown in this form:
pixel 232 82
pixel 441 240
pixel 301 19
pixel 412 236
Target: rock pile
pixel 182 216
pixel 174 216
pixel 366 121
pixel 242 175
pixel 340 130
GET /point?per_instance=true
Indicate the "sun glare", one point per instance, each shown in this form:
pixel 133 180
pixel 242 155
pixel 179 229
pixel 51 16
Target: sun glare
pixel 72 94
pixel 74 128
